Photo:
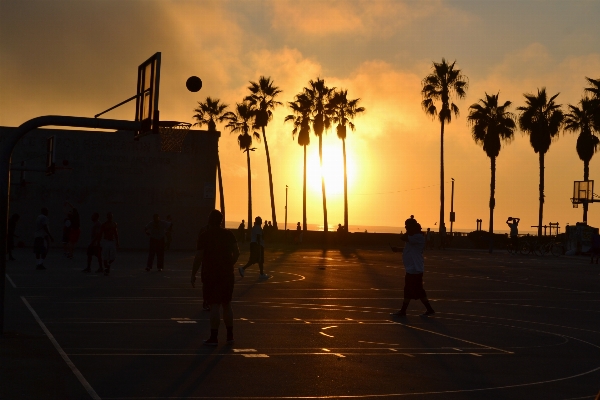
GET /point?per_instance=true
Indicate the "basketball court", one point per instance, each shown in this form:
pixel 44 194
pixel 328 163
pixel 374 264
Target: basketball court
pixel 506 327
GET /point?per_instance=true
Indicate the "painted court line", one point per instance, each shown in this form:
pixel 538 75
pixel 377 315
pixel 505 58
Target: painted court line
pixel 11 282
pixel 64 355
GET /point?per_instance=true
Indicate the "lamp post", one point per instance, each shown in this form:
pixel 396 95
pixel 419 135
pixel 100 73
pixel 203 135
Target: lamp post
pixel 285 225
pixel 452 206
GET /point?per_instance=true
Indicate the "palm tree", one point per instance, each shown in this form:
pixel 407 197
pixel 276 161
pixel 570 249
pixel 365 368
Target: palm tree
pixel 262 99
pixel 319 95
pixel 301 108
pixel 240 122
pixel 581 119
pixel 491 124
pixel 342 113
pixel 541 119
pixel 443 82
pixel 206 114
pixel 594 89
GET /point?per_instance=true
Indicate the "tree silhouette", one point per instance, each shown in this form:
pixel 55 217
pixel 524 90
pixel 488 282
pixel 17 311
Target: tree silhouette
pixel 594 89
pixel 300 117
pixel 342 112
pixel 440 85
pixel 541 119
pixel 491 124
pixel 319 95
pixel 207 113
pixel 241 122
pixel 580 119
pixel 262 99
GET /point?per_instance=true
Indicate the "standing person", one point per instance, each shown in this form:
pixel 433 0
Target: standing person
pixel 169 233
pixel 414 265
pixel 298 238
pixel 443 236
pixel 513 224
pixel 109 241
pixel 10 239
pixel 66 233
pixel 74 231
pixel 156 230
pixel 94 249
pixel 242 231
pixel 217 252
pixel 429 239
pixel 42 238
pixel 257 249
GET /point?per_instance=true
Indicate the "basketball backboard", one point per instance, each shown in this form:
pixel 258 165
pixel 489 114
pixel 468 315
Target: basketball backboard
pixel 583 192
pixel 146 109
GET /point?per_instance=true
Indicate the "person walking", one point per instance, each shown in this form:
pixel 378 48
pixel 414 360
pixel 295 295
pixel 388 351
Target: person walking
pixel 109 241
pixel 429 239
pixel 217 252
pixel 10 238
pixel 513 224
pixel 42 239
pixel 156 230
pixel 94 249
pixel 257 249
pixel 242 231
pixel 414 266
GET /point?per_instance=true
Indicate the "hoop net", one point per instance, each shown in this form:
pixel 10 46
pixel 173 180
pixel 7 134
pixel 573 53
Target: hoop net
pixel 172 135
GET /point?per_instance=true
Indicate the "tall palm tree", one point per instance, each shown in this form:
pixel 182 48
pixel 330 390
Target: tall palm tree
pixel 440 85
pixel 300 117
pixel 491 124
pixel 207 113
pixel 594 89
pixel 541 119
pixel 241 122
pixel 319 96
pixel 342 113
pixel 581 119
pixel 262 99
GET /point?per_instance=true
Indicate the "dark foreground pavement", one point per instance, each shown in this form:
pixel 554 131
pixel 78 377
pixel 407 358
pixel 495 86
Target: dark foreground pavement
pixel 506 327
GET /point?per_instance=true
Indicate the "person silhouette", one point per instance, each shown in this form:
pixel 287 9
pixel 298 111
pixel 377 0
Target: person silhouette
pixel 242 231
pixel 42 239
pixel 513 224
pixel 257 249
pixel 217 252
pixel 109 236
pixel 414 266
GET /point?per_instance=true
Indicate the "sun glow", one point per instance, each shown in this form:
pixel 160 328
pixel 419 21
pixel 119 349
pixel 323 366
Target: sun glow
pixel 333 170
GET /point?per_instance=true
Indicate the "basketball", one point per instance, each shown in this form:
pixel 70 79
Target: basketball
pixel 193 84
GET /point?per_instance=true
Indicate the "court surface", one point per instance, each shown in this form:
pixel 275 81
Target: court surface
pixel 506 327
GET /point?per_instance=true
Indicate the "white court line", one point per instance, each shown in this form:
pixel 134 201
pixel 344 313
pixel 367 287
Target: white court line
pixel 64 355
pixel 10 280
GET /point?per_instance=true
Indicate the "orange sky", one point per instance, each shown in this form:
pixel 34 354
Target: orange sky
pixel 79 58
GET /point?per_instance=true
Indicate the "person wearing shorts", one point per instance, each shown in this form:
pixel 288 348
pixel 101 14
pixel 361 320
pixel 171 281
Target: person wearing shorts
pixel 42 238
pixel 109 241
pixel 257 249
pixel 513 224
pixel 412 258
pixel 217 253
pixel 94 249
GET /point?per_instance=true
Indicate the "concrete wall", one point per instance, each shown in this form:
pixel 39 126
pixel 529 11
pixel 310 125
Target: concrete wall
pixel 112 172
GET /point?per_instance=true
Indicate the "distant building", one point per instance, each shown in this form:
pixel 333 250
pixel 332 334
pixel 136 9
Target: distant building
pixel 112 172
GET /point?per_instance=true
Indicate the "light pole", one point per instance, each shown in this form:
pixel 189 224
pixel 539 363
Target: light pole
pixel 452 206
pixel 285 226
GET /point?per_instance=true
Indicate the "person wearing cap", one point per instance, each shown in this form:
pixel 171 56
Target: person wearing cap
pixel 257 249
pixel 217 253
pixel 414 266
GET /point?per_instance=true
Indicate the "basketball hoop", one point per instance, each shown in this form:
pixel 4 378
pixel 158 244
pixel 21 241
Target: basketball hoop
pixel 172 135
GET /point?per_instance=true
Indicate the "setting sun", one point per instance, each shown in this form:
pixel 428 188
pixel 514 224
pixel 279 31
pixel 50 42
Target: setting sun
pixel 333 170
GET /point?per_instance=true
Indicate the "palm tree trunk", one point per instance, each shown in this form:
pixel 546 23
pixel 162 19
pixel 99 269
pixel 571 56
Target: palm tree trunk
pixel 221 194
pixel 442 179
pixel 541 214
pixel 586 175
pixel 304 194
pixel 273 215
pixel 345 188
pixel 249 193
pixel 325 225
pixel 492 200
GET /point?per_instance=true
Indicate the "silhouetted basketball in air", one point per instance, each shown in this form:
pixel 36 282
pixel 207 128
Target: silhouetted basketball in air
pixel 193 84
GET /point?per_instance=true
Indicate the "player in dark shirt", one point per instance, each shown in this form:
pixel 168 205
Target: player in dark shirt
pixel 217 252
